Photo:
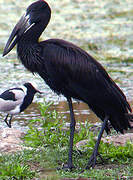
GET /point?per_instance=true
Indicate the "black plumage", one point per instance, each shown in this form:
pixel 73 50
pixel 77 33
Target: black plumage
pixel 8 95
pixel 70 71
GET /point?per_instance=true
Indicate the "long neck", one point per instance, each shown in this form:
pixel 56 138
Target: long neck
pixel 28 48
pixel 29 54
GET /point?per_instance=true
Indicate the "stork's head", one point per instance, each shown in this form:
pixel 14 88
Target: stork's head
pixel 31 24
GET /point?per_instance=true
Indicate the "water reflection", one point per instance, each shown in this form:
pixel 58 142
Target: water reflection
pixel 81 111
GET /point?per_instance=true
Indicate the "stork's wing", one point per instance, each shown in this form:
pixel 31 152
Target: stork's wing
pixel 74 73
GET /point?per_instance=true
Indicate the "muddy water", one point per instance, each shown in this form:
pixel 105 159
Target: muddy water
pixel 102 28
pixel 81 111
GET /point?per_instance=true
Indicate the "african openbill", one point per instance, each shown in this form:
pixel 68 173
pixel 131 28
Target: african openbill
pixel 15 100
pixel 70 71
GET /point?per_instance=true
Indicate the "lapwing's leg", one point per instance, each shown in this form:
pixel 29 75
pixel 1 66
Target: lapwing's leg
pixel 10 121
pixel 8 124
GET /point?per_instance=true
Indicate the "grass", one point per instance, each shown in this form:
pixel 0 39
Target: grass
pixel 111 30
pixel 16 166
pixel 48 139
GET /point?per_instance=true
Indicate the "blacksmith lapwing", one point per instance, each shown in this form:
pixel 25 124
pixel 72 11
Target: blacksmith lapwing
pixel 15 100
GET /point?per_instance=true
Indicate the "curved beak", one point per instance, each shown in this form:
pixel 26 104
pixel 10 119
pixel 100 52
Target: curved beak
pixel 21 27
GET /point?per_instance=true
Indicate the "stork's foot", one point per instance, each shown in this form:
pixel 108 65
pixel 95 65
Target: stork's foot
pixel 68 167
pixel 93 158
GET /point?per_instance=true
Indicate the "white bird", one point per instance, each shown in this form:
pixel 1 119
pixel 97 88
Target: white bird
pixel 15 100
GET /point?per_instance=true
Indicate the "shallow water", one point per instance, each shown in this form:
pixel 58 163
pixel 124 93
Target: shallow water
pixel 102 28
pixel 81 111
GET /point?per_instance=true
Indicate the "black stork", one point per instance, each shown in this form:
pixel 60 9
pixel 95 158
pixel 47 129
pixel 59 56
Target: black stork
pixel 15 100
pixel 70 71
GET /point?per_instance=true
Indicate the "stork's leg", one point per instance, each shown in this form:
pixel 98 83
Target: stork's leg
pixel 72 129
pixel 92 160
pixel 8 124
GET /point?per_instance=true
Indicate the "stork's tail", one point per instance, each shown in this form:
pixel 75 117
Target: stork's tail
pixel 128 119
pixel 129 116
pixel 123 122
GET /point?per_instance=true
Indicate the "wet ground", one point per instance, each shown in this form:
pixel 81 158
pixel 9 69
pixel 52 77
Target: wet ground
pixel 102 28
